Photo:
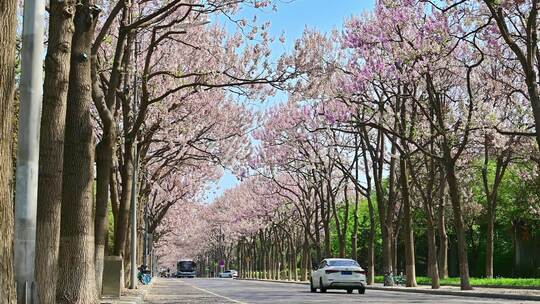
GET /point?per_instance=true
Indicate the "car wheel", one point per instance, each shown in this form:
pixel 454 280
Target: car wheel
pixel 349 291
pixel 321 286
pixel 362 290
pixel 311 287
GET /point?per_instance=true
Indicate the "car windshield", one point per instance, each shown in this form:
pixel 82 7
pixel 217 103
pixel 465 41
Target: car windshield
pixel 342 263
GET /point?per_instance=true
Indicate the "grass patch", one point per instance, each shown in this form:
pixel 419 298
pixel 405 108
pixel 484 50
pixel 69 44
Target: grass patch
pixel 497 282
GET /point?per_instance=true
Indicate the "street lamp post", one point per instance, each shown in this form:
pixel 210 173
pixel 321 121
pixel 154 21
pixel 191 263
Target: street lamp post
pixel 31 87
pixel 145 236
pixel 133 280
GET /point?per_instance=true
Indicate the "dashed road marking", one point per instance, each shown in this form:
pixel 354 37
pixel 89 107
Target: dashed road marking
pixel 215 294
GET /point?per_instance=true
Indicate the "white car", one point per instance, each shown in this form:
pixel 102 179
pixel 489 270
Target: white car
pixel 228 274
pixel 338 274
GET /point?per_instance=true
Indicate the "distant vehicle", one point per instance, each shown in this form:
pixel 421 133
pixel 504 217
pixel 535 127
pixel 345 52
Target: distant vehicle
pixel 165 273
pixel 186 269
pixel 338 274
pixel 228 274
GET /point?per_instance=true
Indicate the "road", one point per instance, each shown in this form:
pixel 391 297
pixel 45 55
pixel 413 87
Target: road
pixel 214 291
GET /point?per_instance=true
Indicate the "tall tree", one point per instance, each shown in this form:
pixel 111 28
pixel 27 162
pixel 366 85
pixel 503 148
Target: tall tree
pixel 76 257
pixel 8 24
pixel 55 90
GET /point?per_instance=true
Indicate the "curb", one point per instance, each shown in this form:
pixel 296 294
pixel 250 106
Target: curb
pixel 122 300
pixel 432 291
pixel 132 299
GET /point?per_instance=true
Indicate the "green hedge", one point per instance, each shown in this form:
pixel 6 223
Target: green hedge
pixel 497 282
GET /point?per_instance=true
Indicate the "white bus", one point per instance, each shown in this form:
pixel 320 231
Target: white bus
pixel 186 268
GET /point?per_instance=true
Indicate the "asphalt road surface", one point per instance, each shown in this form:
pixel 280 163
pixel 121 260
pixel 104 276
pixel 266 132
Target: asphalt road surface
pixel 213 291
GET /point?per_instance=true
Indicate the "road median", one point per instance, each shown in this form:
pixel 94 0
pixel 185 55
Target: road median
pixel 479 292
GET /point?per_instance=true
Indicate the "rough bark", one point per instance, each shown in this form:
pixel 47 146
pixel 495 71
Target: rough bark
pixel 455 198
pixel 386 211
pixel 105 150
pixel 441 223
pixel 121 226
pixel 8 24
pixel 127 171
pixel 51 151
pixel 433 267
pixel 295 263
pixel 305 258
pixel 368 191
pixel 432 255
pixel 101 221
pixel 127 166
pixel 492 198
pixel 341 228
pixel 408 233
pixel 76 257
pixel 371 244
pixel 449 162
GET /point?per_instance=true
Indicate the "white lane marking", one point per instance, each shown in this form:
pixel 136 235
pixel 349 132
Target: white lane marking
pixel 215 294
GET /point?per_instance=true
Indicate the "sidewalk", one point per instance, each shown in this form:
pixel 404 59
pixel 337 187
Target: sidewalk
pixel 129 296
pixel 481 292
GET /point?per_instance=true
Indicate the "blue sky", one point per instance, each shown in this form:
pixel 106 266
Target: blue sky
pixel 291 18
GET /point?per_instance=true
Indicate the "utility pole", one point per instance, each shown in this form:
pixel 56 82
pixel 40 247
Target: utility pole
pixel 31 87
pixel 145 236
pixel 133 281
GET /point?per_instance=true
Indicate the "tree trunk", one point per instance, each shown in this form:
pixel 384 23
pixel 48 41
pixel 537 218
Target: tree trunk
pixel 387 232
pixel 290 261
pixel 270 261
pixel 295 263
pixel 8 24
pixel 432 251
pixel 489 243
pixel 492 197
pixel 371 244
pixel 443 237
pixel 433 267
pixel 76 257
pixel 453 189
pixel 51 151
pixel 305 258
pixel 326 229
pixel 394 246
pixel 105 153
pixel 101 221
pixel 239 257
pixel 386 211
pixel 121 226
pixel 127 171
pixel 342 232
pixel 408 233
pixel 354 241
